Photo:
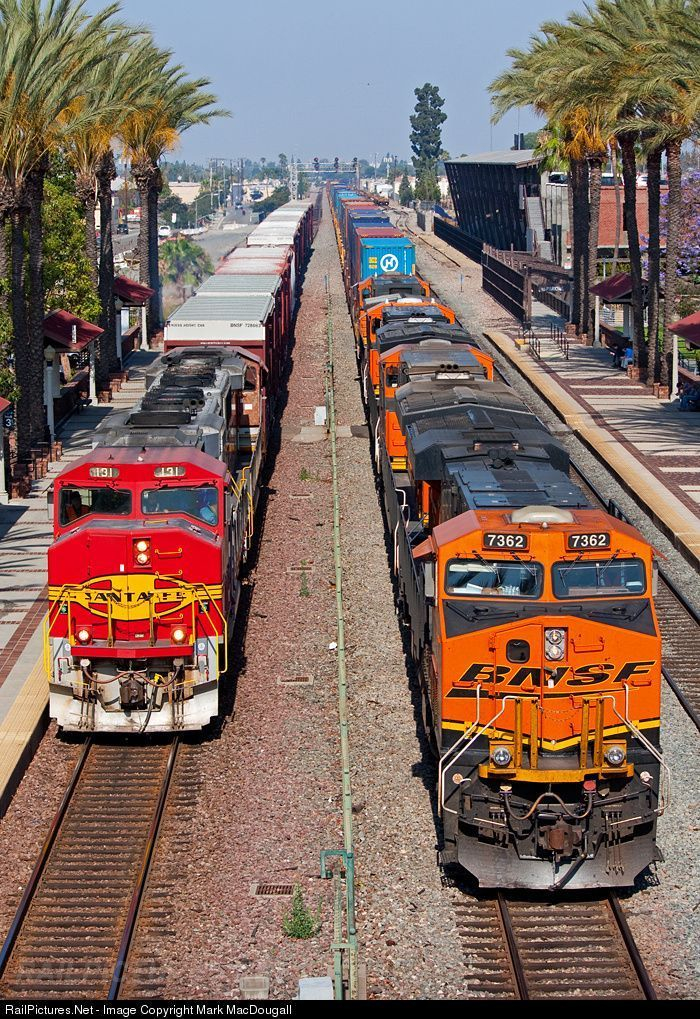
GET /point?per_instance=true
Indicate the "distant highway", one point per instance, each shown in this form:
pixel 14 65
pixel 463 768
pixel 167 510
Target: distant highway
pixel 217 241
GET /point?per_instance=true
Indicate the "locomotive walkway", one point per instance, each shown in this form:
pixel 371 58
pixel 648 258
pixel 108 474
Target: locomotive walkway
pixel 650 445
pixel 25 534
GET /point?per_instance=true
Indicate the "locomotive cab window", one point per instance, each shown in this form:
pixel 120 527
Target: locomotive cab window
pixel 477 578
pixel 201 502
pixel 76 503
pixel 602 578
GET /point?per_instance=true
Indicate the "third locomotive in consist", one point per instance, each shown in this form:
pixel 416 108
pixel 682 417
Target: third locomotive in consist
pixel 531 613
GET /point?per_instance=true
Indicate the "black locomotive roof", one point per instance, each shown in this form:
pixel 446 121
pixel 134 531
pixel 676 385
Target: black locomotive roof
pixel 394 282
pixel 487 404
pixel 437 355
pixel 400 312
pixel 392 334
pixel 469 433
pixel 488 485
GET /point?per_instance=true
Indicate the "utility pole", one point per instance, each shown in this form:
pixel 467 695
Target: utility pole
pixel 211 184
pixel 293 179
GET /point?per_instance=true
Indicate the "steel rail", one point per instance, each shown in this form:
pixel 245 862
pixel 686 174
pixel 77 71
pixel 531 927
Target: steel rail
pixel 632 949
pixel 45 856
pixel 137 894
pixel 516 961
pixel 40 865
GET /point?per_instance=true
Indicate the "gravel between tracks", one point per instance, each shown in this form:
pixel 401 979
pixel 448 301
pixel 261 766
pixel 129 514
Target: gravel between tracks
pixel 664 910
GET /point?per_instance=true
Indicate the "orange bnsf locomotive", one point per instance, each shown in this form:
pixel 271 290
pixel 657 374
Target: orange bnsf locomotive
pixel 531 618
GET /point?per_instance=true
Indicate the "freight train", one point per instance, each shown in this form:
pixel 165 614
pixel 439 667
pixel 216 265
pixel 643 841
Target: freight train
pixel 152 527
pixel 530 613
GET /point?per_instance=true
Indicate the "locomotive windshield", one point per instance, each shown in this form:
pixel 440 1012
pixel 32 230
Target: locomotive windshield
pixel 504 579
pixel 602 578
pixel 81 502
pixel 201 502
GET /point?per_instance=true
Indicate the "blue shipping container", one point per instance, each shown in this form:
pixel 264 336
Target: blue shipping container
pixel 386 254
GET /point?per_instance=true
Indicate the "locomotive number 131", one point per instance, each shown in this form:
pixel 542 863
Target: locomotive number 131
pixel 492 539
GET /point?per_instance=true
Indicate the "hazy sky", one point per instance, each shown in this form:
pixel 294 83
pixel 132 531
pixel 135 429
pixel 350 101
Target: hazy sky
pixel 320 79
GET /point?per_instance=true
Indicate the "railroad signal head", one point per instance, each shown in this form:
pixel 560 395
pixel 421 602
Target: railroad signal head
pixel 315 162
pixel 354 162
pixel 335 164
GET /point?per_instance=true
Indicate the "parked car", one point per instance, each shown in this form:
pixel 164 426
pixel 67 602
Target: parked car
pixel 164 231
pixel 122 228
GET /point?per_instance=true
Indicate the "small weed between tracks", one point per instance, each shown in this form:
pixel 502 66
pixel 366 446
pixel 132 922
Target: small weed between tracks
pixel 301 922
pixel 304 589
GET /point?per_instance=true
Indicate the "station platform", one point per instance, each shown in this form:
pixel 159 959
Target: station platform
pixel 25 534
pixel 651 446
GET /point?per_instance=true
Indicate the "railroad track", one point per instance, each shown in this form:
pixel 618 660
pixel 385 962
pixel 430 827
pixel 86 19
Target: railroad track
pixel 529 948
pixel 71 934
pixel 680 621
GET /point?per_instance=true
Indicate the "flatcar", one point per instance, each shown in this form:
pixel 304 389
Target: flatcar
pixel 530 617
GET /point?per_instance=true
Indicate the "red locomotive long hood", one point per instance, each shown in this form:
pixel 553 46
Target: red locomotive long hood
pixel 178 549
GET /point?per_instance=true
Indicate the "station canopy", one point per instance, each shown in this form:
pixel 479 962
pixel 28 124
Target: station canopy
pixel 688 328
pixel 68 333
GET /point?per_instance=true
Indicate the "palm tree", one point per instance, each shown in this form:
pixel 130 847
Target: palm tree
pixel 535 79
pixel 116 85
pixel 46 52
pixel 169 104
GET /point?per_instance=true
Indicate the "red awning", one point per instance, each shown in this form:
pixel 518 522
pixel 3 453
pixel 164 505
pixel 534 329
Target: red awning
pixel 130 292
pixel 4 404
pixel 688 328
pixel 68 333
pixel 614 288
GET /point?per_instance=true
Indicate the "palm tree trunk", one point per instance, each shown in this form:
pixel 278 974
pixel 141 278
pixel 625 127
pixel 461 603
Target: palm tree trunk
pixel 156 187
pixel 654 199
pixel 618 207
pixel 570 203
pixel 4 263
pixel 673 220
pixel 143 174
pixel 629 177
pixel 20 344
pixel 595 172
pixel 579 173
pixel 35 317
pixel 106 172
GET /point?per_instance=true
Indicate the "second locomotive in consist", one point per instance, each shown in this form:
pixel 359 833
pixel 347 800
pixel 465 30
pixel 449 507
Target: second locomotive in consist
pixel 531 613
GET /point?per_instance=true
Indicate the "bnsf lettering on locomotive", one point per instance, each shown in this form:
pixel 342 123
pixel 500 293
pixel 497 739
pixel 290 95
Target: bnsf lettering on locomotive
pixel 585 676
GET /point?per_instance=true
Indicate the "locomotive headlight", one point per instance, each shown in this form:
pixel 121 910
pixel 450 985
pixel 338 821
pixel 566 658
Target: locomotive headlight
pixel 83 636
pixel 615 756
pixel 179 635
pixel 554 644
pixel 142 552
pixel 501 757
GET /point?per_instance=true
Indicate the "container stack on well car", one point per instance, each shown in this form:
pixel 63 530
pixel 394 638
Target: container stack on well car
pixel 152 527
pixel 530 613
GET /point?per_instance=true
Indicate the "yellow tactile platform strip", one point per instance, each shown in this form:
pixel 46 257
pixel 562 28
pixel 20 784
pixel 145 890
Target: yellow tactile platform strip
pixel 662 506
pixel 21 730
